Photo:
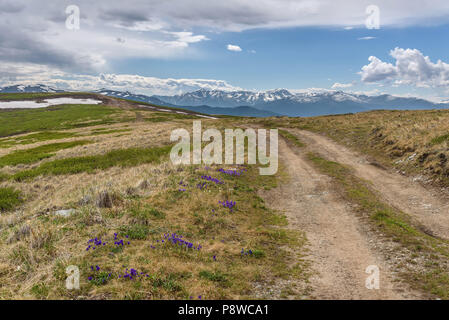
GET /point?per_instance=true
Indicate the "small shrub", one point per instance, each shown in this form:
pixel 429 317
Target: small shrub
pixel 216 276
pixel 40 291
pixel 9 198
pixel 136 231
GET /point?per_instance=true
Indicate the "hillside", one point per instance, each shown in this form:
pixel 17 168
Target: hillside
pixel 92 186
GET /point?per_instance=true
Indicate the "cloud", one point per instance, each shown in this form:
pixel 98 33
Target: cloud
pixel 31 74
pixel 338 85
pixel 155 29
pixel 366 38
pixel 411 67
pixel 235 48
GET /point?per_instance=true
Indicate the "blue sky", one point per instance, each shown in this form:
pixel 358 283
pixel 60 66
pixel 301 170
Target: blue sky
pixel 171 47
pixel 296 58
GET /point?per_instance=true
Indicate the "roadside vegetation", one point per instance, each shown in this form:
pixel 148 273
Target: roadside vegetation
pixel 422 260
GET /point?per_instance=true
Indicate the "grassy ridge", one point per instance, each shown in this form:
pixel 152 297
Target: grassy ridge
pixel 35 137
pixel 58 117
pixel 33 155
pixel 123 157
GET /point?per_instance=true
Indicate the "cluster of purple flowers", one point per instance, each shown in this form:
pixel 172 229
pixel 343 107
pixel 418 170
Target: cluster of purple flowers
pixel 209 178
pixel 245 253
pixel 94 243
pixel 182 184
pixel 232 172
pixel 201 185
pixel 97 242
pixel 228 204
pixel 177 240
pixel 199 297
pixel 132 274
pixel 121 241
pixel 99 278
pixel 129 274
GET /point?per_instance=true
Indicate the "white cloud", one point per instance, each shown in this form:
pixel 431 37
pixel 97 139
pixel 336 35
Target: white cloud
pixel 411 68
pixel 232 47
pixel 338 85
pixel 366 38
pixel 165 29
pixel 30 74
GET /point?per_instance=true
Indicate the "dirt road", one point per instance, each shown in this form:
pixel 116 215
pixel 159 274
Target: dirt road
pixel 340 244
pixel 425 205
pixel 339 249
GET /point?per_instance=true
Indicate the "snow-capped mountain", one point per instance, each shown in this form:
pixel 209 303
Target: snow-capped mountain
pixel 307 103
pixel 233 111
pixel 311 102
pixel 131 96
pixel 218 98
pixel 27 88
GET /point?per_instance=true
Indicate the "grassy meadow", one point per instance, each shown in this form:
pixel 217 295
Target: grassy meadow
pixel 137 226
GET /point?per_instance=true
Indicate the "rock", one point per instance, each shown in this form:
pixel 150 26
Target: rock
pixel 64 213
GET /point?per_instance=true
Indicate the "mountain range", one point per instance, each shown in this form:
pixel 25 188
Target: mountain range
pixel 264 104
pixel 308 103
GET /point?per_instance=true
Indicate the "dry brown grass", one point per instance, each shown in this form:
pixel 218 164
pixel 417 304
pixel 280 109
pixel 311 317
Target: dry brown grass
pixel 33 261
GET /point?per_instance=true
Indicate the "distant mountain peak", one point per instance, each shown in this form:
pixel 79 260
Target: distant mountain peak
pixel 28 88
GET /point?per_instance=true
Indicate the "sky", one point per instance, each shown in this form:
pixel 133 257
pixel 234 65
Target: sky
pixel 168 47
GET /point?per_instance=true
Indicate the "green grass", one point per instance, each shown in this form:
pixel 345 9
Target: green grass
pixel 166 116
pixel 3 176
pixel 121 157
pixel 432 276
pixel 33 155
pixel 101 132
pixel 216 276
pixel 36 137
pixel 9 199
pixel 143 214
pixel 290 137
pixel 57 117
pixel 440 139
pixel 40 291
pixel 135 231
